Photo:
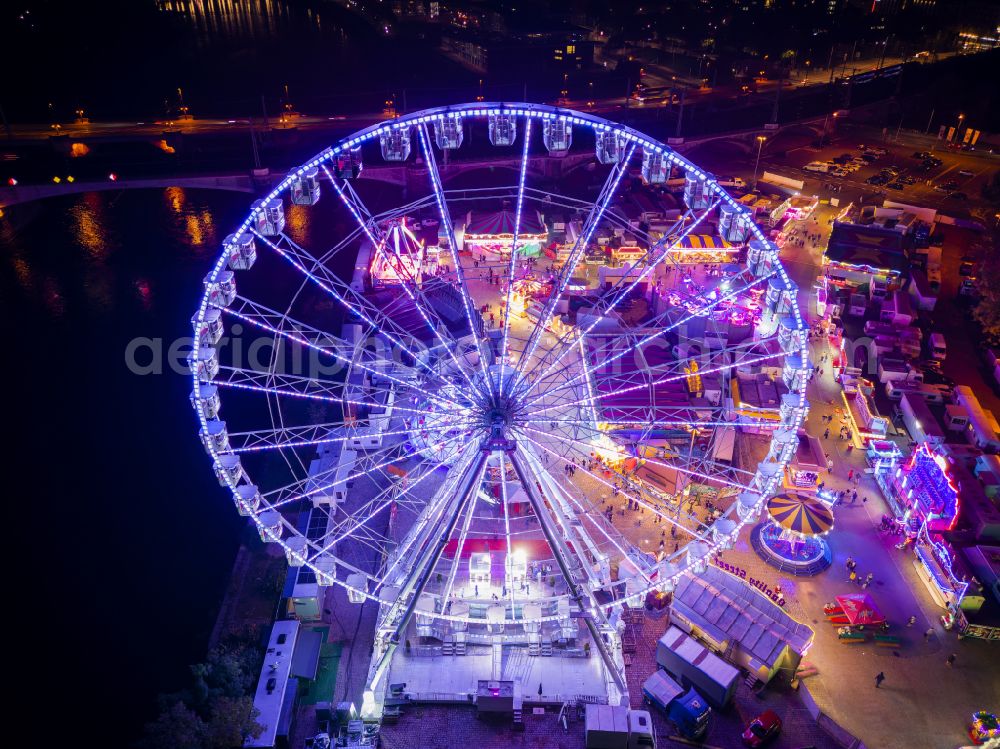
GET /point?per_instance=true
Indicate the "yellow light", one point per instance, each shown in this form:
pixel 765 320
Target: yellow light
pixel 70 178
pixel 57 180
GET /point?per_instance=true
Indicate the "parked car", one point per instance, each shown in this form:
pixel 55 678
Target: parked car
pixel 876 179
pixel 965 172
pixel 839 172
pixel 921 155
pixel 897 185
pixel 968 266
pixel 907 180
pixel 958 196
pixel 762 729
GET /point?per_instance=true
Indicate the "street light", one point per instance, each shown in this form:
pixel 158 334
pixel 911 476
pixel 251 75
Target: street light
pixel 958 127
pixel 760 147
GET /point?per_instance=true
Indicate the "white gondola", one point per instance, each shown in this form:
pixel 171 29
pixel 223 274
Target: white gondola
pixel 348 164
pixel 697 192
pixel 206 401
pixel 655 168
pixel 779 296
pixel 724 532
pixel 697 556
pixel 557 136
pixel 305 187
pixel 665 571
pixel 247 499
pixel 222 288
pixel 790 408
pixel 296 551
pixel 269 525
pixel 208 330
pixel 748 505
pixel 792 334
pixel 503 129
pixel 424 615
pixel 228 469
pixel 761 258
pixel 796 371
pixel 242 249
pixel 269 217
pixel 215 436
pixel 608 147
pixel 395 144
pixel 357 586
pixel 448 132
pixel 204 362
pixel 734 224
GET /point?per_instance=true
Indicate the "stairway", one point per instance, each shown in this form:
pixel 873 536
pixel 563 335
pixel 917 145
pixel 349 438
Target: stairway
pixel 448 647
pixel 546 647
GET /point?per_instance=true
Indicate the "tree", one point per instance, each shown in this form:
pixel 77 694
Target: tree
pixel 176 727
pixel 233 721
pixel 987 311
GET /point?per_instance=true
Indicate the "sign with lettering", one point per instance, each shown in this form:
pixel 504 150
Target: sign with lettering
pixel 760 585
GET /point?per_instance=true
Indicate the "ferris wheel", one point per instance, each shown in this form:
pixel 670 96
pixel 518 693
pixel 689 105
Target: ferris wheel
pixel 567 372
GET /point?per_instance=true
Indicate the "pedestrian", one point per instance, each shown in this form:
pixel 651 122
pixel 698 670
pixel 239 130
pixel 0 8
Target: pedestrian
pixel 826 434
pixel 854 576
pixel 951 660
pixel 911 621
pixel 879 678
pixel 848 563
pixel 928 633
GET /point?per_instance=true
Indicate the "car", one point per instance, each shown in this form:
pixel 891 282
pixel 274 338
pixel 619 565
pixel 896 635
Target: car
pixel 921 155
pixel 897 185
pixel 934 161
pixel 876 151
pixel 965 173
pixel 876 179
pixel 817 166
pixel 839 172
pixel 950 185
pixel 908 180
pixel 869 157
pixel 893 170
pixel 957 196
pixel 762 729
pixel 967 266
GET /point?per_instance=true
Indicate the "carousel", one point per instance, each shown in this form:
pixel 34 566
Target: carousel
pixel 493 232
pixel 792 538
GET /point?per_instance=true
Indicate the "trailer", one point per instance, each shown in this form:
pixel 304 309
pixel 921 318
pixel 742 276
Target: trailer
pixel 922 425
pixel 692 665
pixel 685 708
pixel 617 727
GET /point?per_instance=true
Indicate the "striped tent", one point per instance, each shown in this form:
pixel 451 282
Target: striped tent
pixel 501 223
pixel 703 242
pixel 800 513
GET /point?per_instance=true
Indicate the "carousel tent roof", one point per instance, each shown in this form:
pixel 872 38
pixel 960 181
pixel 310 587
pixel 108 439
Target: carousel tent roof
pixel 730 609
pixel 502 222
pixel 800 513
pixel 703 242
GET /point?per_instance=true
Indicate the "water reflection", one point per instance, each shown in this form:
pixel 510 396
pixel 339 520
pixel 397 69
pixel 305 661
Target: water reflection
pixel 231 20
pixel 193 220
pixel 89 228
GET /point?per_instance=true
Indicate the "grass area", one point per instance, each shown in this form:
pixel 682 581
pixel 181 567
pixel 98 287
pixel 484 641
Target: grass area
pixel 321 690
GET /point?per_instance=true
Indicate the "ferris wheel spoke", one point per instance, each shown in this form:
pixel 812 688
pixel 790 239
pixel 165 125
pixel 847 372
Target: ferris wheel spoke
pixel 475 321
pixel 380 241
pixel 642 503
pixel 620 291
pixel 608 191
pixel 316 484
pixel 513 259
pixel 311 338
pixel 430 518
pixel 359 518
pixel 327 281
pixel 659 332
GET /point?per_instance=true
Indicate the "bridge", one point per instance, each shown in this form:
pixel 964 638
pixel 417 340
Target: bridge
pixel 411 176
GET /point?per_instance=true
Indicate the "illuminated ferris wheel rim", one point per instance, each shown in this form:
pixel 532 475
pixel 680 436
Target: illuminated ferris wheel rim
pixel 530 113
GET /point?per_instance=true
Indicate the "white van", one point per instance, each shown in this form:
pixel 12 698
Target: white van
pixel 817 166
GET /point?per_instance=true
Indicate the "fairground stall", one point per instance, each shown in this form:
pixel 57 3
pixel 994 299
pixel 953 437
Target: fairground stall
pixel 400 257
pixel 807 463
pixel 862 416
pixel 493 232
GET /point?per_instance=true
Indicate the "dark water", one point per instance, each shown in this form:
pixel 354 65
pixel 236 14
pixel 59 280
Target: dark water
pixel 124 538
pixel 125 59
